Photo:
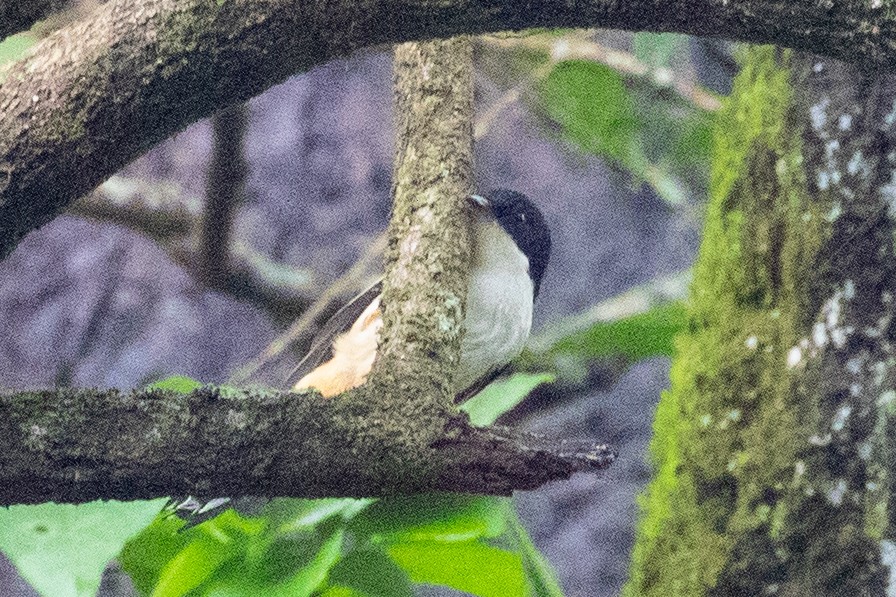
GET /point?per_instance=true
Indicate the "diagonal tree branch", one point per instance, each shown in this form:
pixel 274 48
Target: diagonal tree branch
pixel 98 93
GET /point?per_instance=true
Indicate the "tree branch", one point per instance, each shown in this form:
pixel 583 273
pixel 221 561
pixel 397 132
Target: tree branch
pixel 163 212
pixel 81 445
pixel 224 191
pixel 98 93
pixel 429 240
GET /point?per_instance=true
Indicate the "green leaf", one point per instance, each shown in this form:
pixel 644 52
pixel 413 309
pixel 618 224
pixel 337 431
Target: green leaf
pixel 310 578
pixel 438 517
pixel 288 514
pixel 369 571
pixel 647 334
pixel 62 549
pixel 469 566
pixel 176 383
pixel 145 555
pixel 14 47
pixel 541 576
pixel 500 396
pixel 657 49
pixel 341 591
pixel 209 549
pixel 590 101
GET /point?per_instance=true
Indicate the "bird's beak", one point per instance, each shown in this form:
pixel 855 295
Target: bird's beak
pixel 478 201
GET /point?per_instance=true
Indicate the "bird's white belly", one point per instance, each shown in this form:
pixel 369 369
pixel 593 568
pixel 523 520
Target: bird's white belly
pixel 497 322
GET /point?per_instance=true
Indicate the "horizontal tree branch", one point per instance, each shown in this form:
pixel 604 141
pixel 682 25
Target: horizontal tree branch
pixel 81 445
pixel 98 93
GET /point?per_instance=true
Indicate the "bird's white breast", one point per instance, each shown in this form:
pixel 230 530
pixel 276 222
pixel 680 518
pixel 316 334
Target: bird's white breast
pixel 499 305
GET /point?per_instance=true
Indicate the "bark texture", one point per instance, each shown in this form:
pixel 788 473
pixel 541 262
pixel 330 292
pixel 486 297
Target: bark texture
pixel 774 447
pixel 428 254
pixel 98 93
pixel 83 445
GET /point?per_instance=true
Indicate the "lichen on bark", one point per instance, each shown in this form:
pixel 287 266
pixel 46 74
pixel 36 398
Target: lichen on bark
pixel 773 467
pixel 429 238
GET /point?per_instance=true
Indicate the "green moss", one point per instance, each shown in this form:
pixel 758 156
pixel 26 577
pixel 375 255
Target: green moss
pixel 725 433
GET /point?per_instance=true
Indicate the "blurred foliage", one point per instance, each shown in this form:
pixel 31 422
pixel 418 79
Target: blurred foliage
pixel 640 110
pixel 620 342
pixel 372 548
pixel 14 47
pixel 62 549
pixel 654 134
pixel 502 395
pixel 590 101
pixel 637 337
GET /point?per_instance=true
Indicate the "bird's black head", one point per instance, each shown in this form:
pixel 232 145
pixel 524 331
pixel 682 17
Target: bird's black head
pixel 524 223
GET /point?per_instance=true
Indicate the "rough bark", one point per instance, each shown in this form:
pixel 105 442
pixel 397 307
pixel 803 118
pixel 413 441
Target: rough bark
pixel 429 239
pixel 98 93
pixel 774 448
pixel 82 445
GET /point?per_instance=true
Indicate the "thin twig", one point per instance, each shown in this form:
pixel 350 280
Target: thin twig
pixel 577 46
pixel 164 213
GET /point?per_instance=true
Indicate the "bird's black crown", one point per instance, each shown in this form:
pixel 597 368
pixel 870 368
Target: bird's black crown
pixel 524 223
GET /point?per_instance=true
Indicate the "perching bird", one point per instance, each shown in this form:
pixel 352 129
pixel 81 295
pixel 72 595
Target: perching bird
pixel 511 247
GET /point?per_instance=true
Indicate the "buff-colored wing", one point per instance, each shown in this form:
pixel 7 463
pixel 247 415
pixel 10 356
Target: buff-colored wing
pixel 342 353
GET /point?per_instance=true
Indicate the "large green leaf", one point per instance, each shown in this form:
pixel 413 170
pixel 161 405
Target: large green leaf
pixel 145 555
pixel 591 103
pixel 367 570
pixel 500 396
pixel 288 514
pixel 166 560
pixel 312 575
pixel 194 564
pixel 469 566
pixel 62 549
pixel 640 336
pixel 541 576
pixel 437 517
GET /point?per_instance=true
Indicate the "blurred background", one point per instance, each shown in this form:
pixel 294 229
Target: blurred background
pixel 218 253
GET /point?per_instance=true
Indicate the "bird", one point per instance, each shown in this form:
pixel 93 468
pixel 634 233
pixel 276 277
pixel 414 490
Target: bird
pixel 510 252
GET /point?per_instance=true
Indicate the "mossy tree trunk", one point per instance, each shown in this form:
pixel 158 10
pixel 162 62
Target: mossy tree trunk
pixel 774 447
